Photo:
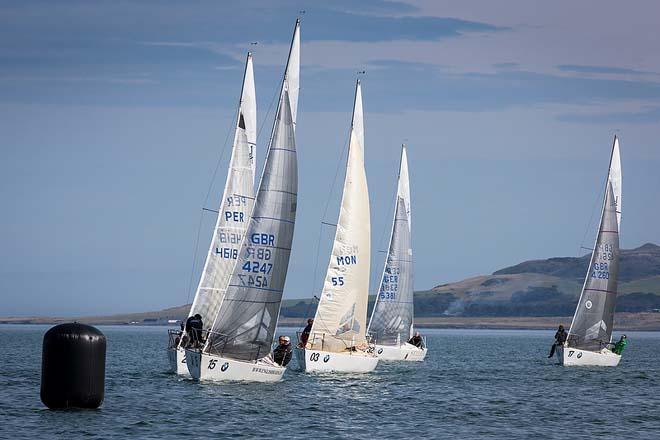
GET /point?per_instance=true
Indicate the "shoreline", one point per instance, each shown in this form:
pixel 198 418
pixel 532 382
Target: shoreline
pixel 645 321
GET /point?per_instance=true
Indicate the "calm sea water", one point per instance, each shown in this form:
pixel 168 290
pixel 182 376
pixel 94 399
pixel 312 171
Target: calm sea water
pixel 474 384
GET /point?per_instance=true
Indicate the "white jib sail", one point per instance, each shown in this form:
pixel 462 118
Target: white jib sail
pixel 237 203
pixel 615 178
pixel 392 317
pixel 340 320
pixel 292 74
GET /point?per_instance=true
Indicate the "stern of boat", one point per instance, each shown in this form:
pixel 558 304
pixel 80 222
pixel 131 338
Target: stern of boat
pixel 349 362
pixel 406 352
pixel 208 367
pixel 576 357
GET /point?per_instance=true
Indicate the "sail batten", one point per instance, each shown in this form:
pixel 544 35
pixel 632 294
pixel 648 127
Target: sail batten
pixel 340 320
pixel 392 317
pixel 237 202
pixel 591 328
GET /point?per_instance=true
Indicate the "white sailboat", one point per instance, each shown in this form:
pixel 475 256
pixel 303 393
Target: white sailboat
pixel 231 223
pixel 238 346
pixel 391 324
pixel 337 341
pixel 590 336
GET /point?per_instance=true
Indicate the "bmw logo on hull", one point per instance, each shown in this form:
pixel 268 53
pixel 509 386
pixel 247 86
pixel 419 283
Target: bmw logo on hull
pixel 326 358
pixel 225 366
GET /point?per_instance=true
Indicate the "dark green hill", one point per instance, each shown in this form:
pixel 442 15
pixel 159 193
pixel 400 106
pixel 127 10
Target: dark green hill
pixel 642 262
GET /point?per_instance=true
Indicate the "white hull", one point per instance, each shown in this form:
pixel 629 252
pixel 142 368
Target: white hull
pixel 177 359
pixel 406 352
pixel 207 367
pixel 574 357
pixel 349 362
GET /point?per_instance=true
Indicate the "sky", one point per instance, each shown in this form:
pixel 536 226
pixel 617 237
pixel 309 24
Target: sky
pixel 114 116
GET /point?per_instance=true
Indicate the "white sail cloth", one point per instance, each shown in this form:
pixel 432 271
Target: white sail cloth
pixel 235 209
pixel 340 320
pixel 392 318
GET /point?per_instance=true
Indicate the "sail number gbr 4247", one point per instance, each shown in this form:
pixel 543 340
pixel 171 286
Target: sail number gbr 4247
pixel 256 270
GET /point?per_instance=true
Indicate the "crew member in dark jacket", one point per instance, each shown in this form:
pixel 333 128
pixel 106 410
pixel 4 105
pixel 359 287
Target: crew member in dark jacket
pixel 304 336
pixel 283 352
pixel 417 340
pixel 194 326
pixel 560 338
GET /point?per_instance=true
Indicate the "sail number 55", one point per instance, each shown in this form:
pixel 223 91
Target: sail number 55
pixel 337 281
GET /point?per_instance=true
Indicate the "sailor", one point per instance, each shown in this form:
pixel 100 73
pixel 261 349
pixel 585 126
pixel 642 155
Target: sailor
pixel 417 340
pixel 188 329
pixel 560 338
pixel 304 336
pixel 283 352
pixel 619 346
pixel 196 326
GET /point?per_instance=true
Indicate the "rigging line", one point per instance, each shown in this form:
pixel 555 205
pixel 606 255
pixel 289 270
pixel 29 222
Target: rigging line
pixel 206 199
pixel 593 210
pixel 325 211
pixel 309 307
pixel 270 107
pixel 375 282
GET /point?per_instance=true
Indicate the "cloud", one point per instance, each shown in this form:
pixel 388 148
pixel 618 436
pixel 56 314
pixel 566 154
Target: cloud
pixel 598 69
pixel 649 115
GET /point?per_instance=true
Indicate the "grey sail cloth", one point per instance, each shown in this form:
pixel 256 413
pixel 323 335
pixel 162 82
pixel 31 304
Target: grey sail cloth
pixel 246 321
pixel 391 322
pixel 592 325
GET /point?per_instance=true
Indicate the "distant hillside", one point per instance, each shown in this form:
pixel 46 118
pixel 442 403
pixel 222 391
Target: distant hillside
pixel 634 264
pixel 532 288
pixel 546 288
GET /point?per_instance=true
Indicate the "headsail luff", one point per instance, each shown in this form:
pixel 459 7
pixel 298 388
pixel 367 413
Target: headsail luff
pixel 392 317
pixel 237 202
pixel 591 328
pixel 615 178
pixel 340 320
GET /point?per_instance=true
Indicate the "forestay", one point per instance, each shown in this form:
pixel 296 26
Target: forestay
pixel 392 318
pixel 340 320
pixel 234 212
pixel 591 328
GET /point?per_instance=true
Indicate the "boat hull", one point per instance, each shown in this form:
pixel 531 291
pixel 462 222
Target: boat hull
pixel 405 352
pixel 350 362
pixel 576 357
pixel 207 367
pixel 177 360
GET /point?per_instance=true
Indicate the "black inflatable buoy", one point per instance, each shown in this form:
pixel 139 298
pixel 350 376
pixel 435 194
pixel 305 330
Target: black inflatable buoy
pixel 73 367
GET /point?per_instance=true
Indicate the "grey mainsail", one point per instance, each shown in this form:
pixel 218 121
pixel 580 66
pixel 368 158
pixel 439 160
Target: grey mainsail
pixel 591 328
pixel 392 317
pixel 245 324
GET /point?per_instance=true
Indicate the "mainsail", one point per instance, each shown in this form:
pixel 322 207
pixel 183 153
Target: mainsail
pixel 591 328
pixel 392 317
pixel 237 202
pixel 245 324
pixel 340 320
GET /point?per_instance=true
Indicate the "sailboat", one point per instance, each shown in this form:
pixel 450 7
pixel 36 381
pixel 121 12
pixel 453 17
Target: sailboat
pixel 590 335
pixel 337 340
pixel 231 223
pixel 238 346
pixel 391 324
